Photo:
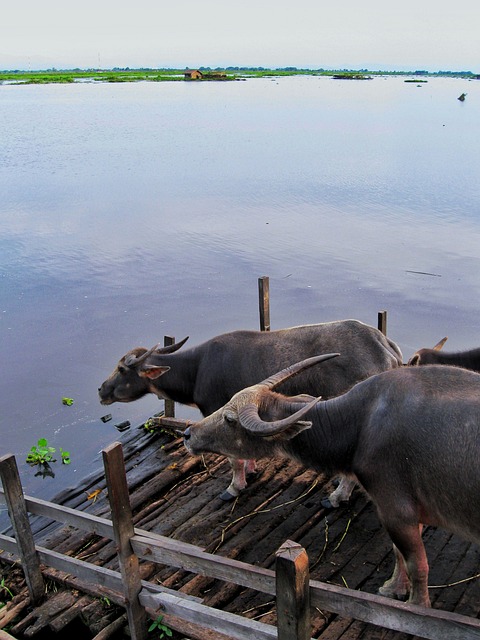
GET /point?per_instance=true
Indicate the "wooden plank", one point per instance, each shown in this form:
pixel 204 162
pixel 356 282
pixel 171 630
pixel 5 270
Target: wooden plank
pixel 67 616
pixel 73 517
pixel 188 630
pixel 111 630
pixel 428 623
pixel 124 530
pixel 230 624
pixel 91 573
pixel 95 524
pixel 205 564
pixel 79 568
pixel 292 587
pixel 169 404
pixel 41 616
pixel 21 526
pixel 173 423
pixel 399 616
pixel 264 302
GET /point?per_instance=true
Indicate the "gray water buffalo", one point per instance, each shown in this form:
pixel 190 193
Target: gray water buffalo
pixel 209 374
pixel 467 359
pixel 410 436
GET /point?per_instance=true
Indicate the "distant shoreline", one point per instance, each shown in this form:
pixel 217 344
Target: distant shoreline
pixel 202 74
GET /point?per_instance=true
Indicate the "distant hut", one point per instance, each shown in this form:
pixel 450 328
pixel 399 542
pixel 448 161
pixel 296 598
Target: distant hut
pixel 193 74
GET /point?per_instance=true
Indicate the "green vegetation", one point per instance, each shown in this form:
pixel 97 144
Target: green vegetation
pixel 158 625
pixel 89 75
pixel 230 73
pixel 5 593
pixel 348 75
pixel 42 454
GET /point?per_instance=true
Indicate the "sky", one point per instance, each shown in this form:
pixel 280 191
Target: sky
pixel 351 34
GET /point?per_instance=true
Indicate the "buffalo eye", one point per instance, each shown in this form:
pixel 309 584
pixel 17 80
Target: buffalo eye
pixel 229 418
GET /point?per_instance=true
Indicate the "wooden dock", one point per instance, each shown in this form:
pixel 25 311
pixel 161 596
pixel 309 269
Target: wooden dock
pixel 176 495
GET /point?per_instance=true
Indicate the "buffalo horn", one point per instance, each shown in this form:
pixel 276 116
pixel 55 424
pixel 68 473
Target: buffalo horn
pixel 133 361
pixel 285 374
pixel 171 348
pixel 250 420
pixel 440 344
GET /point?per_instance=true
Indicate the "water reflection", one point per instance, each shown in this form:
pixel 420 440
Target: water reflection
pixel 131 212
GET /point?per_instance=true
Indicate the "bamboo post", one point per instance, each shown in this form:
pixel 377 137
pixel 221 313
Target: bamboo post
pixel 123 530
pixel 292 589
pixel 382 322
pixel 169 404
pixel 264 302
pixel 17 509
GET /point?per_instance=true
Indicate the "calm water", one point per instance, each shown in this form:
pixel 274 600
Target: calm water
pixel 130 212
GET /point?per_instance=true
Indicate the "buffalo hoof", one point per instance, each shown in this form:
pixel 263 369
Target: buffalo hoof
pixel 387 593
pixel 226 496
pixel 326 504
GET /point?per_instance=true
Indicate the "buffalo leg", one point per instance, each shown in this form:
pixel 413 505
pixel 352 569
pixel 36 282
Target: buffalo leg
pixel 408 542
pixel 341 494
pixel 398 586
pixel 240 469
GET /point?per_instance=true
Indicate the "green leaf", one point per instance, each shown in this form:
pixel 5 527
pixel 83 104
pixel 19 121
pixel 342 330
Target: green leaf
pixel 67 401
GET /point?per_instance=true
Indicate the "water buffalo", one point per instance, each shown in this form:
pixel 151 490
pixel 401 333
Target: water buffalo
pixel 467 359
pixel 410 436
pixel 208 375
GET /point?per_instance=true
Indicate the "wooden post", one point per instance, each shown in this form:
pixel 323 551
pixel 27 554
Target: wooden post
pixel 123 530
pixel 23 533
pixel 382 322
pixel 169 404
pixel 264 302
pixel 292 589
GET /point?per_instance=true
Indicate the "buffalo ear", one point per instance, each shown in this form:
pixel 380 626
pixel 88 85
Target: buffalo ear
pixel 291 431
pixel 152 372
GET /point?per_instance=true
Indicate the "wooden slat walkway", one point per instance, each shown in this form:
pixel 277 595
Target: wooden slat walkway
pixel 176 495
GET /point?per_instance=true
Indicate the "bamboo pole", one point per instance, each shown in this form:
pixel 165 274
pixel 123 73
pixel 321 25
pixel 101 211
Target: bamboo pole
pixel 169 404
pixel 382 322
pixel 264 302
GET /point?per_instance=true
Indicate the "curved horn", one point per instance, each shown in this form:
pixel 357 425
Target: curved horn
pixel 133 361
pixel 440 344
pixel 250 420
pixel 171 348
pixel 285 374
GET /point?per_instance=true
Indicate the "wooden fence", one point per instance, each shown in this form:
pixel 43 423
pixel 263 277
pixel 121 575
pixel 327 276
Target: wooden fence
pixel 295 593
